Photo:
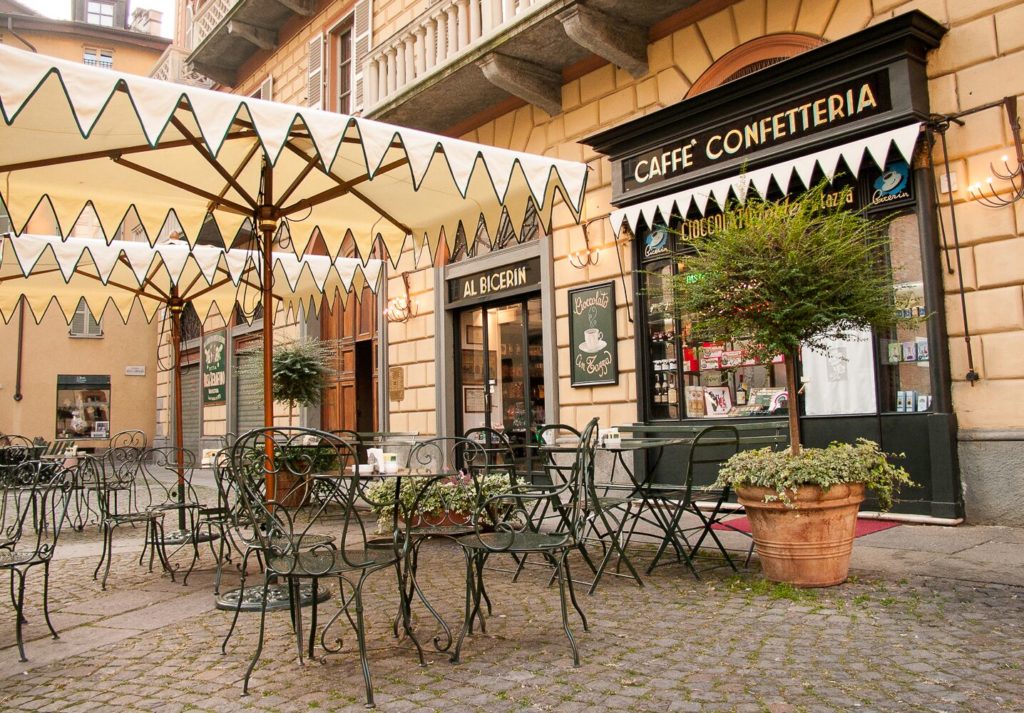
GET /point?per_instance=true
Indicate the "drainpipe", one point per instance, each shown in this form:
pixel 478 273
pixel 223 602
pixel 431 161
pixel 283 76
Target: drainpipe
pixel 21 342
pixel 10 28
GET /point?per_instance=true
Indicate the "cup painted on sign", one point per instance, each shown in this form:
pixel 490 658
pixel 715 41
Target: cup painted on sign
pixel 592 338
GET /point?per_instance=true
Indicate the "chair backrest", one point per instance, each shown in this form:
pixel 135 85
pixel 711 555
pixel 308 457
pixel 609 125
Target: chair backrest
pixel 712 446
pixel 281 461
pixel 14 449
pixel 498 450
pixel 115 475
pixel 129 438
pixel 33 510
pixel 450 478
pixel 159 470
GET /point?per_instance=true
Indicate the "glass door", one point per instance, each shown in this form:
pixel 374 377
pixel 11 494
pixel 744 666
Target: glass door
pixel 500 370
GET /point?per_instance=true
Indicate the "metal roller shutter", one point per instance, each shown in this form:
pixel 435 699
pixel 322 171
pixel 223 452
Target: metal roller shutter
pixel 248 397
pixel 191 408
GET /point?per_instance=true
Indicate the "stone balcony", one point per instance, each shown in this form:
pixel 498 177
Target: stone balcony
pixel 461 58
pixel 173 67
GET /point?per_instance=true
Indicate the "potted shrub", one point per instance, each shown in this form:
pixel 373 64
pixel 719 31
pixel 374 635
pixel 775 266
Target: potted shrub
pixel 451 500
pixel 785 276
pixel 298 370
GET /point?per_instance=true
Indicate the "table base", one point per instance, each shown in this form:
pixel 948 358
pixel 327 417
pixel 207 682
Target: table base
pixel 277 597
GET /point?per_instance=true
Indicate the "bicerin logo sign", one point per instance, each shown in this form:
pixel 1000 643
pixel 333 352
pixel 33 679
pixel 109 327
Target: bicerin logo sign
pixel 893 185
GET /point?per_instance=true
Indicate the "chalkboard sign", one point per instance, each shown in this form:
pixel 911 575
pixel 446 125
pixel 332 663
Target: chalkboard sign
pixel 592 342
pixel 214 368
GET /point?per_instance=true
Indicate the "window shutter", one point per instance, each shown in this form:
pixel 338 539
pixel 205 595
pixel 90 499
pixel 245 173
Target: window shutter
pixel 315 73
pixel 83 324
pixel 267 88
pixel 362 39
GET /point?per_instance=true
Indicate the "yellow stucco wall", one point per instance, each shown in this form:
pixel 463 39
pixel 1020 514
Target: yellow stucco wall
pixel 127 57
pixel 981 59
pixel 49 351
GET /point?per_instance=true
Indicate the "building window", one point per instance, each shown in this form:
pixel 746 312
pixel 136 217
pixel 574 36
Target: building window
pixel 341 42
pixel 83 325
pixel 83 406
pixel 100 13
pixel 98 58
pixel 191 325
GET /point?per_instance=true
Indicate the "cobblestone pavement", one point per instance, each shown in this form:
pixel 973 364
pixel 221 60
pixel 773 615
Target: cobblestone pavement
pixel 723 643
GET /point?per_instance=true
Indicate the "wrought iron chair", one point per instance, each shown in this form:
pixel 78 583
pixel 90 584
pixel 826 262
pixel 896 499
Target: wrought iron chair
pixel 129 439
pixel 514 533
pixel 123 500
pixel 711 446
pixel 177 498
pixel 29 542
pixel 293 550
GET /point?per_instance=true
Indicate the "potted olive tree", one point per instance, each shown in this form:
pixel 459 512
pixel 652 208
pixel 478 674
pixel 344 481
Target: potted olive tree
pixel 299 370
pixel 784 276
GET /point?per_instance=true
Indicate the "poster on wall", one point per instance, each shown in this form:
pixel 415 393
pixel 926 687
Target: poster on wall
pixel 841 379
pixel 592 340
pixel 214 368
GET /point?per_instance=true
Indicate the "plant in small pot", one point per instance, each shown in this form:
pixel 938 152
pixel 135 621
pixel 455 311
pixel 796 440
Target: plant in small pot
pixel 785 276
pixel 434 501
pixel 299 370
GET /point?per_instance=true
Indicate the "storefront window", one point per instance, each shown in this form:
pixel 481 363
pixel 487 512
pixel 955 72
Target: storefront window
pixel 866 374
pixel 83 407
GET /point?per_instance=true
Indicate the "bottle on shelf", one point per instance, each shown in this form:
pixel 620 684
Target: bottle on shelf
pixel 742 393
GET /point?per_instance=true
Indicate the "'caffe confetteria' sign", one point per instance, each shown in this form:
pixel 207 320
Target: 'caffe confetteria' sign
pixel 592 341
pixel 850 101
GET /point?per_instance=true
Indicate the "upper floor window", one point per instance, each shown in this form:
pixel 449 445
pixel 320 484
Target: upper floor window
pixel 83 324
pixel 101 13
pixel 98 58
pixel 341 49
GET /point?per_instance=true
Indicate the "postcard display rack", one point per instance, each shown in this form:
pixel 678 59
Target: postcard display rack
pixel 687 379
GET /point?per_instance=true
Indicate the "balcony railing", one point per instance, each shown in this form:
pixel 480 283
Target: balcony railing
pixel 435 39
pixel 206 20
pixel 172 67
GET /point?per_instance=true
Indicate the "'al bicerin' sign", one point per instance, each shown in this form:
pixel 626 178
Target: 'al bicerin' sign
pixel 494 283
pixel 856 99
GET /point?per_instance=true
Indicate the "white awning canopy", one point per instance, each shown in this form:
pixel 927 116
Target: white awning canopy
pixel 45 269
pixel 738 186
pixel 79 135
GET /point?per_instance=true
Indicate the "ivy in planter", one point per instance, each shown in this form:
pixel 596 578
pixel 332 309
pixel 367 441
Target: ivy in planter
pixel 453 494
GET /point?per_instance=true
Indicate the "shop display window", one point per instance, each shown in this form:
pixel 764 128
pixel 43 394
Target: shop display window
pixel 83 407
pixel 868 373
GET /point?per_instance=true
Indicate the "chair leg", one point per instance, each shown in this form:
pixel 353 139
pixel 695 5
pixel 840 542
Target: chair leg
pixel 467 619
pixel 19 611
pixel 238 604
pixel 295 600
pixel 312 619
pixel 572 596
pixel 259 642
pixel 46 598
pixel 108 546
pixel 103 551
pixel 565 610
pixel 361 640
pixel 195 548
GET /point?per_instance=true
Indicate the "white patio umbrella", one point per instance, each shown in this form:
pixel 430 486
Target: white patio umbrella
pixel 43 270
pixel 79 136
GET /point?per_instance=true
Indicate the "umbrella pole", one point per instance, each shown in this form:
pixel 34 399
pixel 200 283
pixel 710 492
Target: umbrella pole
pixel 268 226
pixel 176 307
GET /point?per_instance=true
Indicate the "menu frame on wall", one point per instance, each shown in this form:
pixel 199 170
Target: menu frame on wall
pixel 215 367
pixel 593 340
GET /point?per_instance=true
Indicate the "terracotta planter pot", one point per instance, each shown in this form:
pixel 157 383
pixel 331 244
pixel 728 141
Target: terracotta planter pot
pixel 448 518
pixel 808 545
pixel 292 490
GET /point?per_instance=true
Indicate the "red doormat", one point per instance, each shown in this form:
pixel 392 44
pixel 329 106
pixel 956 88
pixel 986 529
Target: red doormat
pixel 865 526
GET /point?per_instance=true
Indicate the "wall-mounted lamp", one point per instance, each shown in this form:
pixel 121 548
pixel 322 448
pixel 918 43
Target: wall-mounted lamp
pixel 587 256
pixel 401 307
pixel 987 193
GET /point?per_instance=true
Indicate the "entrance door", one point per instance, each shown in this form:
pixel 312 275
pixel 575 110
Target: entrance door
pixel 350 396
pixel 501 369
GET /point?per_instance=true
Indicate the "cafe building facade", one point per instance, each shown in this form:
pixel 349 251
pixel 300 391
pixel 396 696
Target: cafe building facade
pixel 680 109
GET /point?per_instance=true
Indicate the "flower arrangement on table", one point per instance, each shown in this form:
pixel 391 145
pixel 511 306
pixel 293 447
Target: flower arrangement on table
pixel 450 500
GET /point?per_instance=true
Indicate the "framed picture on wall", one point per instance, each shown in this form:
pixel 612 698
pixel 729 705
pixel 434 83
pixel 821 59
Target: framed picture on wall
pixel 473 399
pixel 473 365
pixel 474 334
